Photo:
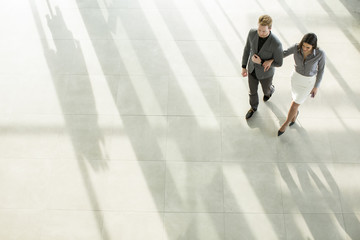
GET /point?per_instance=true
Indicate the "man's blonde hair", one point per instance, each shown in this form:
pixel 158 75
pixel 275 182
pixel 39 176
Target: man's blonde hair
pixel 265 20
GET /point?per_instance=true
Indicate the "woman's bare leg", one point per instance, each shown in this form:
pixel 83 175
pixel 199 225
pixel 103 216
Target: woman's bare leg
pixel 291 117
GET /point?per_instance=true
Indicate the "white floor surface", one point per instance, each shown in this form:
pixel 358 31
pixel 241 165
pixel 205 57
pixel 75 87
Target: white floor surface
pixel 124 120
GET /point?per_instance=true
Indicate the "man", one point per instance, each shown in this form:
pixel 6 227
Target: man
pixel 262 53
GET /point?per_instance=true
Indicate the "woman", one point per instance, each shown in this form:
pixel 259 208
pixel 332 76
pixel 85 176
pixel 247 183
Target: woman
pixel 305 80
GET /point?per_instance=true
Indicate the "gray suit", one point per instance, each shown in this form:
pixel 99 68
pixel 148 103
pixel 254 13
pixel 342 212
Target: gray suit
pixel 272 49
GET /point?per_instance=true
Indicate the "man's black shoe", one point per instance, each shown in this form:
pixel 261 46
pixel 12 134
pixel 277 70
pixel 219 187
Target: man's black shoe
pixel 250 113
pixel 266 98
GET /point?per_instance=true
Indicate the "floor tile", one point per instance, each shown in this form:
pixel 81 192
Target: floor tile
pixel 193 139
pixel 193 187
pixel 77 184
pixel 72 225
pixel 134 226
pixel 314 226
pixel 139 138
pixel 194 226
pixel 298 141
pixel 348 181
pixel 85 137
pixel 246 226
pixel 344 136
pixel 202 58
pixel 30 136
pixel 193 96
pixel 24 183
pixel 163 4
pixel 87 94
pixel 135 186
pixel 31 60
pixel 241 144
pixel 309 188
pixel 252 188
pixel 234 96
pixel 34 94
pixel 21 224
pixel 187 24
pixel 142 57
pixel 352 224
pixel 142 95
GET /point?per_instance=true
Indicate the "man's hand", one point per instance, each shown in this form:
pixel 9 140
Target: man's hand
pixel 267 64
pixel 244 72
pixel 256 59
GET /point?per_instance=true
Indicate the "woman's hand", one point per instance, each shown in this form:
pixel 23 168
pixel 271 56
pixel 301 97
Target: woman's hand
pixel 314 92
pixel 267 64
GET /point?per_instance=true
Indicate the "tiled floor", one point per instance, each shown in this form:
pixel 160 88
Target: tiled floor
pixel 124 119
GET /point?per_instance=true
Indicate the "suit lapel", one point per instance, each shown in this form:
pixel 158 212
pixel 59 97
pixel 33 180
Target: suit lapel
pixel 256 43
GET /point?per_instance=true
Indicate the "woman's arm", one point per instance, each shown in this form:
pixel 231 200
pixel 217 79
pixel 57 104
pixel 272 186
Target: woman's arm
pixel 321 67
pixel 290 50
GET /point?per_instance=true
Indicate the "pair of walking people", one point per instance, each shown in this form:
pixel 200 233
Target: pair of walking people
pixel 263 52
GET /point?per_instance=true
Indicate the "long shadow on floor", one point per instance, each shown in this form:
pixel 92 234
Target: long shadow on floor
pixel 68 59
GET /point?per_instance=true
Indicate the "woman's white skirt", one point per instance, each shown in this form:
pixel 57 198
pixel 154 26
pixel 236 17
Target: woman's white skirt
pixel 301 87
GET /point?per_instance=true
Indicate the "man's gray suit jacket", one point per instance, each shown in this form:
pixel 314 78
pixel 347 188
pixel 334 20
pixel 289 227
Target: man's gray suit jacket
pixel 272 49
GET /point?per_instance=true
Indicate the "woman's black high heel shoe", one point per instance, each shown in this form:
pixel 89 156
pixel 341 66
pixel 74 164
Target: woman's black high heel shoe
pixel 280 133
pixel 292 123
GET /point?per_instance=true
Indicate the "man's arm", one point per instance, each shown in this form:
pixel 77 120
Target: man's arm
pixel 246 51
pixel 278 55
pixel 245 57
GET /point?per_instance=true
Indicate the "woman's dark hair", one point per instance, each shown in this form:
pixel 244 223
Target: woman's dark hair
pixel 309 38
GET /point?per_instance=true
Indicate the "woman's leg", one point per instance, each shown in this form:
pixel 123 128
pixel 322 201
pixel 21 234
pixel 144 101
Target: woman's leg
pixel 291 117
